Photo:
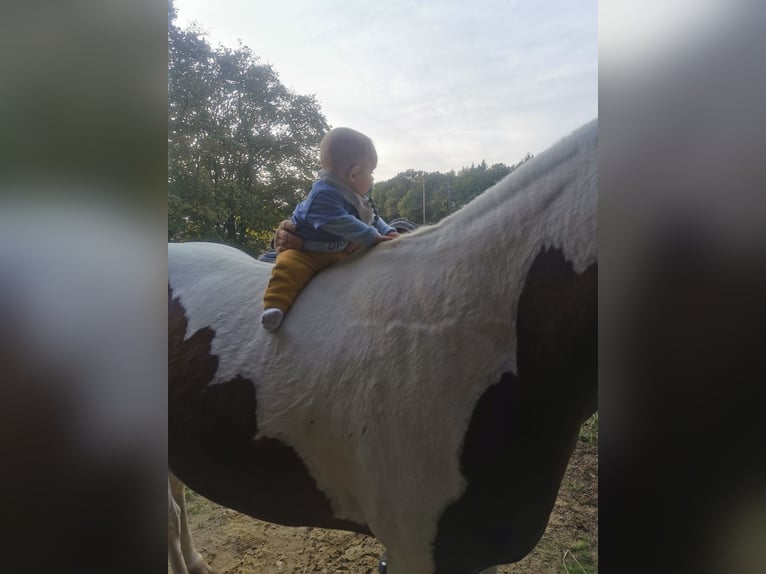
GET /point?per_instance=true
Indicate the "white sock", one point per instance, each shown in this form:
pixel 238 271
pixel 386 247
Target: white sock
pixel 272 319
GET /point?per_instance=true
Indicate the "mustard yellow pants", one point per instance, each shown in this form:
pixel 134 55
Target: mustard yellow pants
pixel 292 271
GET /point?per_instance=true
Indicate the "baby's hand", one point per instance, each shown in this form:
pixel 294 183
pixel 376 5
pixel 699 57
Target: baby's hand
pixel 392 234
pixel 380 238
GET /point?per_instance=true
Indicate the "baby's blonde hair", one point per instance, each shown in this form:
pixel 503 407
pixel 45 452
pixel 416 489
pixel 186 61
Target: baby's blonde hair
pixel 343 147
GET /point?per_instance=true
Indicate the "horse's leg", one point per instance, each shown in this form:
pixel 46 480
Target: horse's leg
pixel 175 555
pixel 194 561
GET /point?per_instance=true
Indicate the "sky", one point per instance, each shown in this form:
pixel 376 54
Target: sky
pixel 437 85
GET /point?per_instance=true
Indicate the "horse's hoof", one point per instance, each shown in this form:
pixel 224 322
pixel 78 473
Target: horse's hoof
pixel 383 564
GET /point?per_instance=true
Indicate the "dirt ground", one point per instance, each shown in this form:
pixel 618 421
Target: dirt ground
pixel 236 544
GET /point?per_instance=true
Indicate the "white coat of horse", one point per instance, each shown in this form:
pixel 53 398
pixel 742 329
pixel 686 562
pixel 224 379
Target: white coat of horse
pixel 428 392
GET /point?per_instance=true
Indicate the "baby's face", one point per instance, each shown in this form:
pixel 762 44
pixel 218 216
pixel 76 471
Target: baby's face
pixel 362 181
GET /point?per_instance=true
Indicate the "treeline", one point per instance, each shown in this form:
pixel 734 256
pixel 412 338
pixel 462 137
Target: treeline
pixel 243 150
pixel 402 196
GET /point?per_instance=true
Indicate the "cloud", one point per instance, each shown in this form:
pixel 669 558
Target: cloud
pixel 437 86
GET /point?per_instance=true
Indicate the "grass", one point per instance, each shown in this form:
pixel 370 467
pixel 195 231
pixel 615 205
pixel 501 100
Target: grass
pixel 589 430
pixel 579 559
pixel 194 502
pixel 575 486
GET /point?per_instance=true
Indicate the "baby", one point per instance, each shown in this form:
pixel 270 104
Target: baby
pixel 335 214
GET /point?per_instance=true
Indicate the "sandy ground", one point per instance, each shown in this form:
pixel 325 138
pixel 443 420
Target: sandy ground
pixel 237 544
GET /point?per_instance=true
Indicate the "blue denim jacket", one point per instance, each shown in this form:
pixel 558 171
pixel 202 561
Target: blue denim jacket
pixel 327 222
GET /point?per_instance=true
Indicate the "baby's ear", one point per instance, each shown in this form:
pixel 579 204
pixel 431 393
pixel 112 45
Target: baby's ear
pixel 353 171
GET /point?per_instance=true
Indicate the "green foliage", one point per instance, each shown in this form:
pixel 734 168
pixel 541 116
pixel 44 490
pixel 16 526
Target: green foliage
pixel 195 504
pixel 242 149
pixel 589 430
pixel 402 196
pixel 580 559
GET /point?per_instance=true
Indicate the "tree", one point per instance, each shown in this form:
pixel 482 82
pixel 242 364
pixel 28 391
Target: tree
pixel 242 149
pixel 387 194
pixel 402 196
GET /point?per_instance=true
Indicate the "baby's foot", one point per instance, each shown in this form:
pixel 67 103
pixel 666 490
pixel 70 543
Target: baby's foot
pixel 272 319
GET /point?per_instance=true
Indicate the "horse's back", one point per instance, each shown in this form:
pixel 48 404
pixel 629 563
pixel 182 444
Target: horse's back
pixel 217 285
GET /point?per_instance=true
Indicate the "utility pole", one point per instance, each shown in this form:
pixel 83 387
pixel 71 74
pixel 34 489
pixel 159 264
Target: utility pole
pixel 424 198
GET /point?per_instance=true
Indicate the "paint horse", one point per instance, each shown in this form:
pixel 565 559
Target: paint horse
pixel 428 392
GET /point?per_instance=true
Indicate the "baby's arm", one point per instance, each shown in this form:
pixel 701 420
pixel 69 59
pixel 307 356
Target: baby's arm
pixel 385 229
pixel 352 229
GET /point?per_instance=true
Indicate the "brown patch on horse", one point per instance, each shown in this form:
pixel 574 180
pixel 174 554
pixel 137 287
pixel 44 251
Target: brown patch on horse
pixel 211 444
pixel 524 428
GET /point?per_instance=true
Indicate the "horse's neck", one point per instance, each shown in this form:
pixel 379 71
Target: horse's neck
pixel 550 200
pixel 476 260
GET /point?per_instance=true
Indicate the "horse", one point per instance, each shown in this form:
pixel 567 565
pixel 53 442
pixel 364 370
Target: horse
pixel 428 392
